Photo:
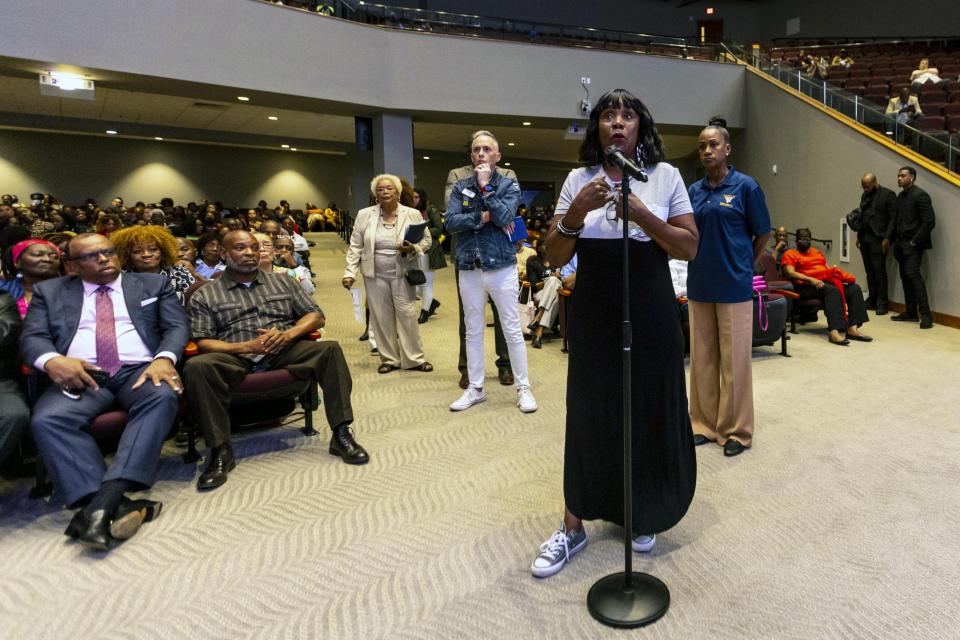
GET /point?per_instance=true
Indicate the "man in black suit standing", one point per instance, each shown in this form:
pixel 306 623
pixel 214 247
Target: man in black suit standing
pixel 104 338
pixel 878 212
pixel 915 221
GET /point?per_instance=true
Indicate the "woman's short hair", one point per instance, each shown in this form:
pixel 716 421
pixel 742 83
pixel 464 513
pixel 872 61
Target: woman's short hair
pixel 649 144
pixel 724 133
pixel 207 238
pixel 389 177
pixel 102 222
pixel 129 238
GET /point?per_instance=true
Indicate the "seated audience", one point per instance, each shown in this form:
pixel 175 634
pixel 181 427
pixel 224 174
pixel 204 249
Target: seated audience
pixel 153 249
pixel 904 106
pixel 103 338
pixel 14 412
pixel 33 261
pixel 250 320
pixel 925 73
pixel 284 257
pixel 108 223
pixel 842 59
pixel 545 285
pixel 781 244
pixel 187 257
pixel 842 298
pixel 209 263
pixel 268 254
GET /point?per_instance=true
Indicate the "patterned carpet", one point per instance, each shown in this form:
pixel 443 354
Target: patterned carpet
pixel 840 523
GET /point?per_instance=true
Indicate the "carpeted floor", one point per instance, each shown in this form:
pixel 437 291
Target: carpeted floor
pixel 841 522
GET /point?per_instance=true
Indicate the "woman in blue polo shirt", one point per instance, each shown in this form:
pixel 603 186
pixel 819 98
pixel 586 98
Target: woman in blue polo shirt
pixel 734 224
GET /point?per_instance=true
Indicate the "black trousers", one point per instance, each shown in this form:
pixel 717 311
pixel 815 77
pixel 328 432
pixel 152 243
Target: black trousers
pixel 910 259
pixel 207 379
pixel 833 304
pixel 14 418
pixel 875 264
pixel 500 344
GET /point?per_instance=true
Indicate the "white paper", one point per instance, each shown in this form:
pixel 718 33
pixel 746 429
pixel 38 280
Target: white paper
pixel 357 296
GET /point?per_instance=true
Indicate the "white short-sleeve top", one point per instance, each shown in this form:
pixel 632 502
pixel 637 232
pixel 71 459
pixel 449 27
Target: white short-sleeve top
pixel 663 194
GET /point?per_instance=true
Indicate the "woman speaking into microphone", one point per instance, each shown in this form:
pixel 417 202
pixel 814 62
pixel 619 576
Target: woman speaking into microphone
pixel 587 223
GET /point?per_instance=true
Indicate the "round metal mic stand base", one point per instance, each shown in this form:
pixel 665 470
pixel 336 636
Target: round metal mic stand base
pixel 613 603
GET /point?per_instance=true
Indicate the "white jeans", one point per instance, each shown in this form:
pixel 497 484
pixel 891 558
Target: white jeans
pixel 503 286
pixel 548 298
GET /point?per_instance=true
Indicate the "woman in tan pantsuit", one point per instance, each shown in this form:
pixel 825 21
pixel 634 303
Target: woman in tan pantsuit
pixel 734 225
pixel 378 250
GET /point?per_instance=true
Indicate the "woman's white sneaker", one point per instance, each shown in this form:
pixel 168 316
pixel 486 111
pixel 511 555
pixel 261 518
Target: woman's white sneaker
pixel 643 544
pixel 525 400
pixel 469 398
pixel 557 551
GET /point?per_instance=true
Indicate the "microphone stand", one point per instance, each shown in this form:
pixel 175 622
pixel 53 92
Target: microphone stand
pixel 627 599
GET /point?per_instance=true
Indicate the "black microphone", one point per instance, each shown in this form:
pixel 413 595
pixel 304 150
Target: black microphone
pixel 615 156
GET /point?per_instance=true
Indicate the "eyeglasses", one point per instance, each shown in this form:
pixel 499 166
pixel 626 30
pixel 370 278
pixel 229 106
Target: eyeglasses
pixel 93 256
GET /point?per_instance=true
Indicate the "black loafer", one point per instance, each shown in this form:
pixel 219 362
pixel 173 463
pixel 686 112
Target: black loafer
pixel 839 343
pixel 221 463
pixel 536 342
pixel 733 448
pixel 506 376
pixel 433 307
pixel 131 514
pixel 905 317
pixel 699 439
pixel 343 445
pixel 860 338
pixel 424 316
pixel 926 322
pixel 91 530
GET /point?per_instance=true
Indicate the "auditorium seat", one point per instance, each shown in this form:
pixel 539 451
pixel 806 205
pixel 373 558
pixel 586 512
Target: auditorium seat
pixel 930 123
pixel 951 109
pixel 953 123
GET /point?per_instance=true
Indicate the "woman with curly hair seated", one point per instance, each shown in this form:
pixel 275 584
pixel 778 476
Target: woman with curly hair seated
pixel 152 249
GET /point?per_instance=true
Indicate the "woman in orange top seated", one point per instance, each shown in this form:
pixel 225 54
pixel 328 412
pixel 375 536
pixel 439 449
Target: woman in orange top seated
pixel 842 298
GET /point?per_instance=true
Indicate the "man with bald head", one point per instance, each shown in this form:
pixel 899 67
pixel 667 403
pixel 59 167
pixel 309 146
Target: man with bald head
pixel 250 320
pixel 878 211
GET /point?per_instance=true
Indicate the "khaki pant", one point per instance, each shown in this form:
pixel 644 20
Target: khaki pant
pixel 721 378
pixel 393 319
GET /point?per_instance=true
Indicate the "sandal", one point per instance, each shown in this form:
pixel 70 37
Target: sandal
pixel 426 367
pixel 386 368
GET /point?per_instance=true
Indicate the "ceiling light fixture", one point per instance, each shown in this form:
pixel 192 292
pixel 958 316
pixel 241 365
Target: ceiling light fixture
pixel 272 118
pixel 111 132
pixel 243 98
pixel 510 144
pixel 157 138
pixel 506 164
pixel 285 146
pixel 293 149
pixel 426 157
pixel 526 123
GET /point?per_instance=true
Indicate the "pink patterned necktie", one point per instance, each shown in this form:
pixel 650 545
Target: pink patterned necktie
pixel 108 357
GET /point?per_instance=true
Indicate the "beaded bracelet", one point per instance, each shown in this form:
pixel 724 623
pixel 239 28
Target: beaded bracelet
pixel 568 233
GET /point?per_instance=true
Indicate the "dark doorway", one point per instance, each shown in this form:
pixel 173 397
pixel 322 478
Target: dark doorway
pixel 709 31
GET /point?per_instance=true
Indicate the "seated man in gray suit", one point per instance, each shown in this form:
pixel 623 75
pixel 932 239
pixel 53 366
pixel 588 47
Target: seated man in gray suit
pixel 103 339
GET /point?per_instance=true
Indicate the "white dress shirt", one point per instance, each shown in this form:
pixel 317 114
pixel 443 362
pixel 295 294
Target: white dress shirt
pixel 130 346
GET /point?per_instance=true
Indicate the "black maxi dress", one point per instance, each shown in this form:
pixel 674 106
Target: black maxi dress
pixel 664 461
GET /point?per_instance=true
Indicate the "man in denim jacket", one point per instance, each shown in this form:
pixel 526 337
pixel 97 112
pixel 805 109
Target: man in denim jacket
pixel 481 211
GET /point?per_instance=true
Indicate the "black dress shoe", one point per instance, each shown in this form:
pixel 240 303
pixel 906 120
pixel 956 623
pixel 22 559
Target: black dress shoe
pixel 537 344
pixel 733 448
pixel 905 317
pixel 881 310
pixel 424 316
pixel 365 335
pixel 926 322
pixel 342 444
pixel 506 376
pixel 433 306
pixel 464 380
pixel 221 463
pixel 870 306
pixel 92 530
pixel 699 439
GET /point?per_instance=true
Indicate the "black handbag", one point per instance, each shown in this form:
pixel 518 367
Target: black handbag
pixel 415 277
pixel 855 219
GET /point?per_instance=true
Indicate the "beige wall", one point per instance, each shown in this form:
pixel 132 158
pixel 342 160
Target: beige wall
pixel 74 168
pixel 819 164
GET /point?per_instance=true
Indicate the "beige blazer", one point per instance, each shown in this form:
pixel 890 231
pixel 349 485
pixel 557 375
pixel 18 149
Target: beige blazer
pixel 360 254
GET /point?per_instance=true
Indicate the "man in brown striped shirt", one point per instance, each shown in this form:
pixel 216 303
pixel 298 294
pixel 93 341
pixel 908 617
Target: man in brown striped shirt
pixel 249 320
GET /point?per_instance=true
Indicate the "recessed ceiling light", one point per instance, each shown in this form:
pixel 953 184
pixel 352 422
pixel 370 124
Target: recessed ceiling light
pixel 272 118
pixel 293 149
pixel 243 98
pixel 510 144
pixel 426 157
pixel 111 132
pixel 526 124
pixel 285 146
pixel 157 138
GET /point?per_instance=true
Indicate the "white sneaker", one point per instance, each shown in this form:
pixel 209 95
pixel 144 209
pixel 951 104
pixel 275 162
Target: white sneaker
pixel 469 398
pixel 525 400
pixel 557 551
pixel 643 544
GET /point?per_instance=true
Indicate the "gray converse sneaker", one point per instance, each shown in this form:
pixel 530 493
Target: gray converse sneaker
pixel 525 400
pixel 469 398
pixel 643 543
pixel 557 551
